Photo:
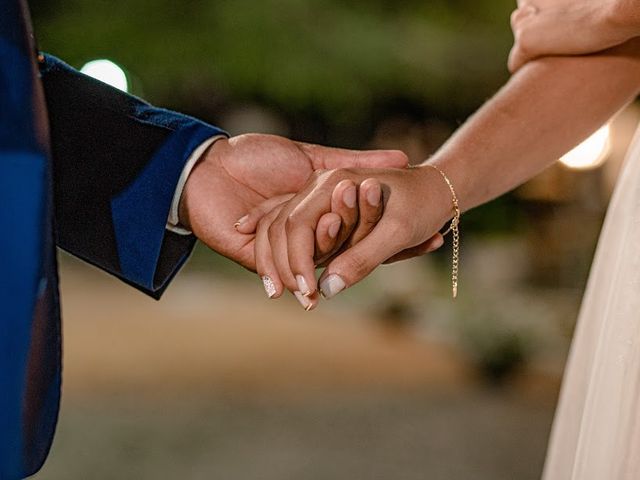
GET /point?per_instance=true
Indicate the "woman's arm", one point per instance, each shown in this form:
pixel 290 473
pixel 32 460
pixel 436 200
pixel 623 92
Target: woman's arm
pixel 543 111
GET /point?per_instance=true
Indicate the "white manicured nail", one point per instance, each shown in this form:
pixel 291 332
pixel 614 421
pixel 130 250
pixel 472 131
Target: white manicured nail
pixel 269 286
pixel 303 286
pixel 349 197
pixel 332 285
pixel 304 301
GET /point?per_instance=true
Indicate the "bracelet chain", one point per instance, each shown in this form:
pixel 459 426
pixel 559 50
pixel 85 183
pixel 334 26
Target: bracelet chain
pixel 454 229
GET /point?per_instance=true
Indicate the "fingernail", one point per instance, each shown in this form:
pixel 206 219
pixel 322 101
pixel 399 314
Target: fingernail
pixel 331 286
pixel 269 287
pixel 304 301
pixel 303 287
pixel 241 221
pixel 439 243
pixel 334 228
pixel 349 197
pixel 373 195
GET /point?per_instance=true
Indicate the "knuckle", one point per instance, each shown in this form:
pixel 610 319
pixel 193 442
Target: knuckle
pixel 292 221
pixel 398 229
pixel 515 18
pixel 357 265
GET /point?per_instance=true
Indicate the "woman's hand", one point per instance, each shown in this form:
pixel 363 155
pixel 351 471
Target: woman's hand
pixel 570 27
pixel 352 217
pixel 417 204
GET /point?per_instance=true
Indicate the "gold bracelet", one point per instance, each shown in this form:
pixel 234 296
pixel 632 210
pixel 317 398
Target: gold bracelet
pixel 454 229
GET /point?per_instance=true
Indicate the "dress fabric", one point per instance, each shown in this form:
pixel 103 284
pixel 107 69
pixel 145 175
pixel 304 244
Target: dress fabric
pixel 596 432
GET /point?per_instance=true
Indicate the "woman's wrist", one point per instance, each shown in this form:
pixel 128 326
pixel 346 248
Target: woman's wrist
pixel 437 194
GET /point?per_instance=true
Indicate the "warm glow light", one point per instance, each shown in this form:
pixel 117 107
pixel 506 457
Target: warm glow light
pixel 107 72
pixel 591 153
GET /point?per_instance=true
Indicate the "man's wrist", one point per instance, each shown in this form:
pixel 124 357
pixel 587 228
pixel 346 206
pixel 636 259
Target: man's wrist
pixel 211 157
pixel 174 222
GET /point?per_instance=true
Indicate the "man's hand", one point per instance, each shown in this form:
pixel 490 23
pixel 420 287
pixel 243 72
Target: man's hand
pixel 241 173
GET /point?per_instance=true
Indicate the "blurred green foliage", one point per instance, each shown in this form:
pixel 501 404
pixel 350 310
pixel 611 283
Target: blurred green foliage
pixel 341 60
pixel 333 70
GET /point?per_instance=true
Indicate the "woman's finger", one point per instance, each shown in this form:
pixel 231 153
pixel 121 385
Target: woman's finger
pixel 524 49
pixel 292 234
pixel 249 222
pixel 344 204
pixel 265 266
pixel 297 245
pixel 522 12
pixel 370 208
pixel 516 59
pixel 351 266
pixel 327 235
pixel 300 233
pixel 303 287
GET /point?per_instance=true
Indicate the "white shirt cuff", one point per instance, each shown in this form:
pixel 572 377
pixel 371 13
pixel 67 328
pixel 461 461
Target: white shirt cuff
pixel 173 222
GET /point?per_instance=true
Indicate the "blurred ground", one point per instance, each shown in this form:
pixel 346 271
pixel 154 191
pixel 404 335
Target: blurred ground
pixel 217 382
pixel 390 381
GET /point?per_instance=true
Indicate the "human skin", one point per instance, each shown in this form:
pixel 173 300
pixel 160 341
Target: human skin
pixel 570 27
pixel 250 171
pixel 546 108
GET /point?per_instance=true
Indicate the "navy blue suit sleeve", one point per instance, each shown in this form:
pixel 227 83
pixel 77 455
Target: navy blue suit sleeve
pixel 117 161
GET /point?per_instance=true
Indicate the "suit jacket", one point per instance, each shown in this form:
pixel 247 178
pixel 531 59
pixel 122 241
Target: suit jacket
pixel 92 170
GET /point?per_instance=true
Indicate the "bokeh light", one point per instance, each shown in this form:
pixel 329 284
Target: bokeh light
pixel 591 153
pixel 107 72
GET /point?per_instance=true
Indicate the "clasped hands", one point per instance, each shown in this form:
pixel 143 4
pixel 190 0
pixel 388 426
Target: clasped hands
pixel 370 216
pixel 282 208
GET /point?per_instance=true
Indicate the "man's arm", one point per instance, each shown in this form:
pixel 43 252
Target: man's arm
pixel 117 162
pixel 120 165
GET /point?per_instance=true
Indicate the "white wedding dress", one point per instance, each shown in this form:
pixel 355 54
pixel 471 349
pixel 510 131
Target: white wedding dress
pixel 596 432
